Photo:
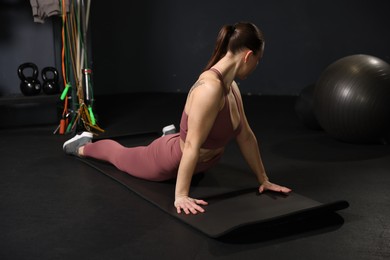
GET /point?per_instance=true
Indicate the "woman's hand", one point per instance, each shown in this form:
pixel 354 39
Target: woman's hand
pixel 273 187
pixel 189 205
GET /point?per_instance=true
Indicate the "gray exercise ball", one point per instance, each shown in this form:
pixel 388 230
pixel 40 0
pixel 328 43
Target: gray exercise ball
pixel 352 99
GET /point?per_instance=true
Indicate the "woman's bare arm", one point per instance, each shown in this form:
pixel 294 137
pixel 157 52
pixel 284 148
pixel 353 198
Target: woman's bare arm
pixel 202 108
pixel 250 150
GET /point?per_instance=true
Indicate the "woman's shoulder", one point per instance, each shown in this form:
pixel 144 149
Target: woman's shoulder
pixel 210 76
pixel 209 82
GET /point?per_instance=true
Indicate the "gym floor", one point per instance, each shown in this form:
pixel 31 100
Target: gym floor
pixel 55 207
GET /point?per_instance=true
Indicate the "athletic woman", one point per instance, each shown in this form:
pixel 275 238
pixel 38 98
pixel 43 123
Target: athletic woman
pixel 212 116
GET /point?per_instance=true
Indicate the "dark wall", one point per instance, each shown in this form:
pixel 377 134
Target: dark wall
pixel 163 45
pixel 23 40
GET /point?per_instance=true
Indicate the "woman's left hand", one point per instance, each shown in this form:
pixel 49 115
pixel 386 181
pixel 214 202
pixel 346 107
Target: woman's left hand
pixel 273 187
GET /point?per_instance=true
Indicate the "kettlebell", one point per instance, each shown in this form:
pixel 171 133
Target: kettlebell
pixel 30 85
pixel 50 84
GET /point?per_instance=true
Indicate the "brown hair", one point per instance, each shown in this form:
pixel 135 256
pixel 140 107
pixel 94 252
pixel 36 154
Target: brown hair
pixel 234 38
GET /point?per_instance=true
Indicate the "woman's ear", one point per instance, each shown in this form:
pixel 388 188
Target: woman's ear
pixel 247 55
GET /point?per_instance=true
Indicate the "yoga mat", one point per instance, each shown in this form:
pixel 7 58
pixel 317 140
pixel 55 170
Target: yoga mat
pixel 232 196
pixel 230 207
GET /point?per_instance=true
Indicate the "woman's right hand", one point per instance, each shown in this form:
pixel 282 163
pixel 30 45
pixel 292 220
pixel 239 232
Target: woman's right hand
pixel 189 205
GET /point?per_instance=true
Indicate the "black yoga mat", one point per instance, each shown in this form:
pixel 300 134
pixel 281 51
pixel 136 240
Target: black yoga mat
pixel 231 194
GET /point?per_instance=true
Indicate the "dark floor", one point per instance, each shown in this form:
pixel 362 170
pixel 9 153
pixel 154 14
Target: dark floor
pixel 52 206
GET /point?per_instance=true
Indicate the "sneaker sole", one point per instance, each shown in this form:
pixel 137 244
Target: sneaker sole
pixel 76 137
pixel 170 129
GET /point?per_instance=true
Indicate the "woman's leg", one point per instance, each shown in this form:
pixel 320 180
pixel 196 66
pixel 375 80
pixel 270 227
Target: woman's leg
pixel 157 162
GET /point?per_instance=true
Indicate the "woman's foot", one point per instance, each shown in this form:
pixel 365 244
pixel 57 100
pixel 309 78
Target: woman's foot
pixel 72 146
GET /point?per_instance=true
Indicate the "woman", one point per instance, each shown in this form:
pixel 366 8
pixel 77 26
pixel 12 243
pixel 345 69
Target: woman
pixel 213 115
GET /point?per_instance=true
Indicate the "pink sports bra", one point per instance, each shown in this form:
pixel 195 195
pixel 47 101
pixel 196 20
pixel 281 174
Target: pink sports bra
pixel 222 131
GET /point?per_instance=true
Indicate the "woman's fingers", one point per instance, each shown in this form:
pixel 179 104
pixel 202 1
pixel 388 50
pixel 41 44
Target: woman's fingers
pixel 189 205
pixel 273 187
pixel 261 189
pixel 201 202
pixel 285 190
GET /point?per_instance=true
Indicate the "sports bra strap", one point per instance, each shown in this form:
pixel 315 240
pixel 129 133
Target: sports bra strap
pixel 219 74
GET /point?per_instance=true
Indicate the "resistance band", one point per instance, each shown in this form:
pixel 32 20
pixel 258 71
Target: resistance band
pixel 76 72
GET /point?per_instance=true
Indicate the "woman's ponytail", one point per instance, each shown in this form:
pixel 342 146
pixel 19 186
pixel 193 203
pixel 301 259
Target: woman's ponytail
pixel 221 45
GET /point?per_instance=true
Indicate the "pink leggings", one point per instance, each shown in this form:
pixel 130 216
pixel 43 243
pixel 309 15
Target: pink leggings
pixel 158 161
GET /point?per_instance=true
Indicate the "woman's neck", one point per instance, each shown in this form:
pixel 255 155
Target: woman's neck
pixel 229 66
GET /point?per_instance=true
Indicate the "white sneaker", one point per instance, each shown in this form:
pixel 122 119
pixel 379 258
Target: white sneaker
pixel 72 145
pixel 170 129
